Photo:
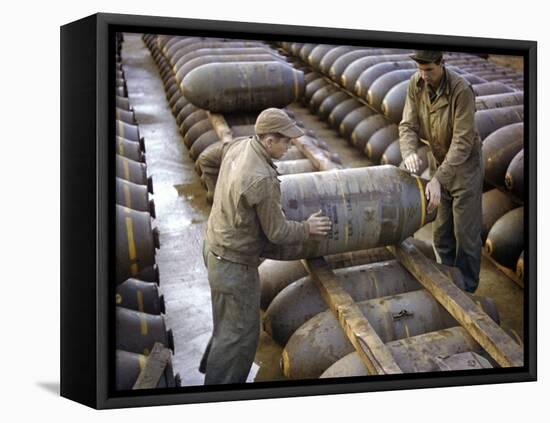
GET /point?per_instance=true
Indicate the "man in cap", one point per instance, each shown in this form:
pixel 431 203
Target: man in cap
pixel 246 214
pixel 439 112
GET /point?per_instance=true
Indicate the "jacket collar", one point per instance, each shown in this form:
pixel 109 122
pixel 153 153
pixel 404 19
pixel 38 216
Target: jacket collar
pixel 446 88
pixel 443 92
pixel 262 151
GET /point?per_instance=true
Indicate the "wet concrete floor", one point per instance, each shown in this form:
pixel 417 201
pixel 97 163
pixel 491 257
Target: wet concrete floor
pixel 182 213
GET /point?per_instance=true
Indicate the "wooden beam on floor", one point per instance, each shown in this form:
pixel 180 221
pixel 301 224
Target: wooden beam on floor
pixel 154 367
pixel 222 129
pixel 508 272
pixel 316 155
pixel 376 356
pixel 502 348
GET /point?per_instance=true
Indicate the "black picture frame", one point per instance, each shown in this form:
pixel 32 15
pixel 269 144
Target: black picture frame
pixel 87 199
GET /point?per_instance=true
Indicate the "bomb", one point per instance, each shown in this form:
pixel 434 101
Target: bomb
pixel 137 332
pixel 384 84
pixel 320 342
pixel 243 86
pixel 415 354
pixel 514 176
pixel 494 204
pixel 499 149
pixel 140 296
pixel 494 101
pixel 488 121
pixel 369 207
pixel 135 242
pixel 129 365
pixel 505 239
pixel 366 128
pixel 129 149
pixel 342 110
pixel 134 196
pixel 380 141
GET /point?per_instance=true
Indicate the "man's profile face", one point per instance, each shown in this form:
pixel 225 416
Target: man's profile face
pixel 430 73
pixel 279 146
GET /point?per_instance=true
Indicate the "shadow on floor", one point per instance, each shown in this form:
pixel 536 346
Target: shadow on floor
pixel 51 387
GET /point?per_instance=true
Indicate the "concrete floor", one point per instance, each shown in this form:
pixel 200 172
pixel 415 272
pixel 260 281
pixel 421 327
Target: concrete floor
pixel 182 213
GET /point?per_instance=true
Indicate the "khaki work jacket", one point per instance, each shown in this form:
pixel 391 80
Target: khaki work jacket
pixel 246 212
pixel 447 124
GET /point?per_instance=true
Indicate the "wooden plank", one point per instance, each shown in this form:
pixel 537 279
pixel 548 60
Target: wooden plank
pixel 317 156
pixel 223 131
pixel 504 350
pixel 154 367
pixel 376 356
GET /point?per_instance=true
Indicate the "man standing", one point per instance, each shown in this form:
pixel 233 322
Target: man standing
pixel 246 214
pixel 439 111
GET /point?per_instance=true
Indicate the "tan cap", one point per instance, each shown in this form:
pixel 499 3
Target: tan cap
pixel 276 121
pixel 426 56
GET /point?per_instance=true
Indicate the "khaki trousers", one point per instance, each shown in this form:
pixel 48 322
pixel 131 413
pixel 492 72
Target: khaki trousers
pixel 235 292
pixel 457 227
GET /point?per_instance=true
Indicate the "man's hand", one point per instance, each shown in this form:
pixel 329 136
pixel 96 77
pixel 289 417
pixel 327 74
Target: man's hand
pixel 413 163
pixel 433 194
pixel 319 225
